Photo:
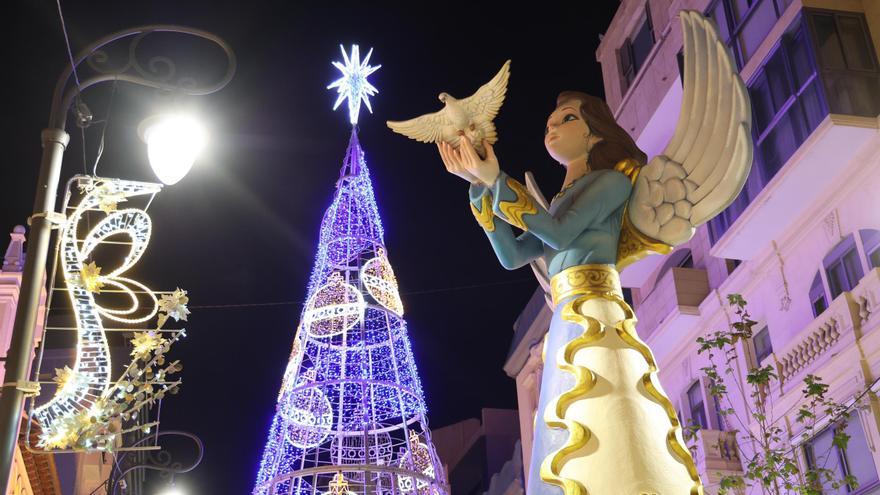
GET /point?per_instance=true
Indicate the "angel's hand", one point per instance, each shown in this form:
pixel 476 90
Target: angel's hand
pixel 485 170
pixel 453 161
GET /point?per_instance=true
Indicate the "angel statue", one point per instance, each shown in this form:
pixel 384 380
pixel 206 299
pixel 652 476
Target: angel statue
pixel 605 426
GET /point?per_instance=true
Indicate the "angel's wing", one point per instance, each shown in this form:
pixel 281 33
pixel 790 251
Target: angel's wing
pixel 426 129
pixel 486 102
pixel 707 161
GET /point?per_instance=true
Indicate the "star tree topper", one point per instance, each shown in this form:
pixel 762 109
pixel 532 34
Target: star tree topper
pixel 353 85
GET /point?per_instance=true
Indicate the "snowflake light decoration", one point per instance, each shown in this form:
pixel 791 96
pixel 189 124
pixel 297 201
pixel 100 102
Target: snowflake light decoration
pixel 353 85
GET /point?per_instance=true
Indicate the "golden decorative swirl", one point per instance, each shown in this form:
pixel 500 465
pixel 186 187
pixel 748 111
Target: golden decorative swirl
pixel 579 434
pixel 626 329
pixel 514 210
pixel 484 215
pixel 554 416
pixel 633 245
pixel 584 279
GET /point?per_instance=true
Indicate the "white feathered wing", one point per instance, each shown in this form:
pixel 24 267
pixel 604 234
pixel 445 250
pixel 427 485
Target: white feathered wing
pixel 707 161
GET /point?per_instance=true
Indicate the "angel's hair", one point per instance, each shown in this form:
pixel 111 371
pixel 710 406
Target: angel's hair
pixel 616 143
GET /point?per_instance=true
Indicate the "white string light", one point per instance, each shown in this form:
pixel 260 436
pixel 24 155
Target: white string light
pixel 86 402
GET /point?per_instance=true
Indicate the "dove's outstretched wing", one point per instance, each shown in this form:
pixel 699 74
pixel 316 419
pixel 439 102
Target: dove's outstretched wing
pixel 426 129
pixel 486 102
pixel 483 106
pixel 707 161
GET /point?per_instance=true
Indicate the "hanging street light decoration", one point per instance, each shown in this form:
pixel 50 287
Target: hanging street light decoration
pixel 88 401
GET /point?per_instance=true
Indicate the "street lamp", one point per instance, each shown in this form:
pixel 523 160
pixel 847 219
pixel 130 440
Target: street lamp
pixel 173 143
pixel 127 463
pixel 168 166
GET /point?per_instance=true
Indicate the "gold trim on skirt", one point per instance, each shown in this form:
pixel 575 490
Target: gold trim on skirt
pixel 661 429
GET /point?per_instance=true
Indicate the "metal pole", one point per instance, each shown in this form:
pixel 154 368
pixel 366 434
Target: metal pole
pixel 18 357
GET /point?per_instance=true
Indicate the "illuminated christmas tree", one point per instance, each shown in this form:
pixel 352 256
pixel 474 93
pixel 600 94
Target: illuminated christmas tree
pixel 350 416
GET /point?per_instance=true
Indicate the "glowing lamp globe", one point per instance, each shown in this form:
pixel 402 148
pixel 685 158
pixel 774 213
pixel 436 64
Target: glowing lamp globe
pixel 172 490
pixel 173 143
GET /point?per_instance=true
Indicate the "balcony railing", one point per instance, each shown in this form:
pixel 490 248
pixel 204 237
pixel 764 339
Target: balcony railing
pixel 866 296
pixel 715 452
pixel 830 332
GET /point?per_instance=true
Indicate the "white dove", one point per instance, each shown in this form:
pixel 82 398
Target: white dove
pixel 471 116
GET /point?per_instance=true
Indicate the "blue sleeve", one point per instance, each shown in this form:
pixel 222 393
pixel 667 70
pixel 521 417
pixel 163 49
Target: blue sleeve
pixel 594 204
pixel 512 251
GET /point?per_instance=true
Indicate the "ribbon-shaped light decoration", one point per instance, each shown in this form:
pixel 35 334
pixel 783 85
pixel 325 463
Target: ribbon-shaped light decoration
pixel 87 403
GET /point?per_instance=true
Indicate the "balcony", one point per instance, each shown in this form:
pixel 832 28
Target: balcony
pixel 828 334
pixel 673 305
pixel 812 116
pixel 822 164
pixel 715 453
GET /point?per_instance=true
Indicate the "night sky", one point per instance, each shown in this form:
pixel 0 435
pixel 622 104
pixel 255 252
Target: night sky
pixel 240 231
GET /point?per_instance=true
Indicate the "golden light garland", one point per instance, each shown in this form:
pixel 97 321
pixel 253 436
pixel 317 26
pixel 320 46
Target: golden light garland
pixel 418 459
pixel 335 307
pixel 378 277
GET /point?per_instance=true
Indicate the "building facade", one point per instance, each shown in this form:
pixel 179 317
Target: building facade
pixel 31 474
pixel 481 456
pixel 801 243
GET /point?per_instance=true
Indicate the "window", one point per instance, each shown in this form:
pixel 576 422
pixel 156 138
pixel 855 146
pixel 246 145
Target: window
pixel 787 105
pixel 634 52
pixel 843 267
pixel 743 24
pixel 855 461
pixel 817 296
pixel 763 345
pixel 787 102
pixel 871 243
pixel 847 62
pixel 697 409
pixel 732 264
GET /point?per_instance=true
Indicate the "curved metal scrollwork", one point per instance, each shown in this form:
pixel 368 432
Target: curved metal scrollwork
pixel 161 461
pixel 156 72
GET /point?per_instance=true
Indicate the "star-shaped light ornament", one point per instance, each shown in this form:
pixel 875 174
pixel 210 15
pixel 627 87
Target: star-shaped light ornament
pixel 173 305
pixel 90 278
pixel 353 85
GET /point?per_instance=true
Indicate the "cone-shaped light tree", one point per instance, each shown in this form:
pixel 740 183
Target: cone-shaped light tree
pixel 350 416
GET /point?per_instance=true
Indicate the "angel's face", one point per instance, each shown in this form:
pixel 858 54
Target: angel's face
pixel 567 136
